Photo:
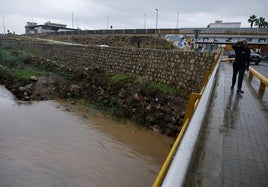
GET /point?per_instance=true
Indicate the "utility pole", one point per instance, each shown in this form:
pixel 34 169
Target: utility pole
pixel 4 25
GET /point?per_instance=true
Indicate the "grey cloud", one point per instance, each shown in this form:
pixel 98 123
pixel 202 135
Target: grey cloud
pixel 91 14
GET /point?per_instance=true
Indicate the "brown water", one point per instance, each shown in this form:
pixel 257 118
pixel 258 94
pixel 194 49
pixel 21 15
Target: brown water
pixel 55 143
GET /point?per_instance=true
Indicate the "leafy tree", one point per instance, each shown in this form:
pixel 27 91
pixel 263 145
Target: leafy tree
pixel 257 22
pixel 265 25
pixel 252 20
pixel 260 22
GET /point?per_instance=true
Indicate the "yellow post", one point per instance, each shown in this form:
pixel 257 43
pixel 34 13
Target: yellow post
pixel 250 76
pixel 262 78
pixel 191 105
pixel 262 87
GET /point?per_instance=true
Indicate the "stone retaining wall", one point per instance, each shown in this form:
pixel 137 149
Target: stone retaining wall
pixel 173 67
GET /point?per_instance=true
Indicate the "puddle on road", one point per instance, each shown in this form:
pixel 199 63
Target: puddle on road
pixel 56 143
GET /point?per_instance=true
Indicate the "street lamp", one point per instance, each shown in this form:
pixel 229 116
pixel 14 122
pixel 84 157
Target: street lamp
pixel 72 20
pixel 156 26
pixel 177 20
pixel 107 22
pixel 4 25
pixel 156 19
pixel 144 21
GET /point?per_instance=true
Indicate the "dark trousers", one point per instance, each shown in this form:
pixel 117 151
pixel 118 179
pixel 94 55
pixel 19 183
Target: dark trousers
pixel 240 70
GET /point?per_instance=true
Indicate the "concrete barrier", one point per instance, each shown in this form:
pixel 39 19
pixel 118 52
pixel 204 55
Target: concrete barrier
pixel 180 165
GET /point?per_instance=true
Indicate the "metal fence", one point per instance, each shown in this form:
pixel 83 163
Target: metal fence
pixel 166 31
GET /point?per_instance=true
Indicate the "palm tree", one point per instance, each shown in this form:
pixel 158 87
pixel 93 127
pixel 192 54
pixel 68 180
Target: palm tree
pixel 252 20
pixel 257 22
pixel 261 22
pixel 265 24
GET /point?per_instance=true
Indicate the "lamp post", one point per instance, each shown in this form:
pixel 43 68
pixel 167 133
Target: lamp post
pixel 156 19
pixel 156 26
pixel 144 21
pixel 4 25
pixel 72 20
pixel 177 20
pixel 77 23
pixel 107 22
pixel 72 27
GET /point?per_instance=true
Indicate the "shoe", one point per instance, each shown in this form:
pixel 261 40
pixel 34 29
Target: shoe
pixel 240 92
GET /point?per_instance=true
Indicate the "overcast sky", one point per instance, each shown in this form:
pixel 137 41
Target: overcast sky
pixel 92 14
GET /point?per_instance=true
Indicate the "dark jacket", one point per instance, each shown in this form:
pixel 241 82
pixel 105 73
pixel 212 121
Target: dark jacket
pixel 242 55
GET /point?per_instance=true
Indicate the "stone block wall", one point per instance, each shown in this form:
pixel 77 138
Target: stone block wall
pixel 173 67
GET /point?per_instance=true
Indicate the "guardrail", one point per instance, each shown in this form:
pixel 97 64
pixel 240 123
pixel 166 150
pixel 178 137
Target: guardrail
pixel 193 104
pixel 262 78
pixel 228 60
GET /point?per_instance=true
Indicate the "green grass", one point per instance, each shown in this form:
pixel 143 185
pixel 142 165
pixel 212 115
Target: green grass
pixel 9 57
pixel 164 88
pixel 161 87
pixel 16 64
pixel 24 75
pixel 119 78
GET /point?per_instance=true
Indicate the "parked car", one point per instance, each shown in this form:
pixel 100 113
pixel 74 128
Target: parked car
pixel 254 57
pixel 231 54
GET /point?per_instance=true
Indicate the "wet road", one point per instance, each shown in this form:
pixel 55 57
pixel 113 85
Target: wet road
pixel 262 67
pixel 232 149
pixel 42 144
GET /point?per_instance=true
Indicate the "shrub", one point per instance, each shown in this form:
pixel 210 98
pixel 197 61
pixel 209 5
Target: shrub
pixel 164 88
pixel 119 78
pixel 11 58
pixel 23 75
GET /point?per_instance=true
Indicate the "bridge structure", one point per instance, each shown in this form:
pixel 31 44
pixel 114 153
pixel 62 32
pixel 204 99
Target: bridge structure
pixel 257 37
pixel 224 141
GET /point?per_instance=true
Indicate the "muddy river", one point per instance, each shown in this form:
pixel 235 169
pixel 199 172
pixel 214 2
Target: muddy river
pixel 65 143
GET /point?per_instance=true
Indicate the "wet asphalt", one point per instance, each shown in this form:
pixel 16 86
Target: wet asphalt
pixel 233 145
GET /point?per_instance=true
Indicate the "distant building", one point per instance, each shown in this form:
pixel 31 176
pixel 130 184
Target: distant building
pixel 55 25
pixel 31 23
pixel 220 24
pixel 34 28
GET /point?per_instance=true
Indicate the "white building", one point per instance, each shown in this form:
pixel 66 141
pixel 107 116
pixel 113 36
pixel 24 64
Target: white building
pixel 34 28
pixel 220 24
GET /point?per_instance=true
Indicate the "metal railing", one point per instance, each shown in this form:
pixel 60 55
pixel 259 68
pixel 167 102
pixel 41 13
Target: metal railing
pixel 228 31
pixel 190 109
pixel 262 78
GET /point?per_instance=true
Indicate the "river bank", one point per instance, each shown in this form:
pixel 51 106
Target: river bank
pixel 153 105
pixel 53 143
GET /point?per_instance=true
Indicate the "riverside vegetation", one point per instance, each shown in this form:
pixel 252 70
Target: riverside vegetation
pixel 151 104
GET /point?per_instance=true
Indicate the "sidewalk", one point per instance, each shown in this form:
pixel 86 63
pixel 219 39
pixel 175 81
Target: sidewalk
pixel 233 146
